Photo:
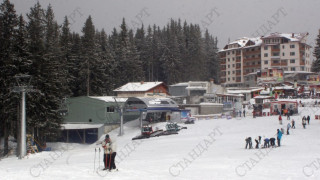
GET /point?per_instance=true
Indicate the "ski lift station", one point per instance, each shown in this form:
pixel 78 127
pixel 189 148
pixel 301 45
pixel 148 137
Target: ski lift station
pixel 87 118
pixel 153 109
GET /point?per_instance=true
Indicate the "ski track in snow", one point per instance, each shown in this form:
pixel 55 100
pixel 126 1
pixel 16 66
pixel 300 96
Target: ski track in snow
pixel 153 158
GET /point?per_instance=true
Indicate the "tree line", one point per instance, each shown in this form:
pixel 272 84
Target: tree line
pixel 63 63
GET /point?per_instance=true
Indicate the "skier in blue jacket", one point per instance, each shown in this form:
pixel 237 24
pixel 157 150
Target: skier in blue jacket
pixel 279 135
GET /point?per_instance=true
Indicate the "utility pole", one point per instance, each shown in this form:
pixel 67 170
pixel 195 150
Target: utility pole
pixel 120 110
pixel 23 82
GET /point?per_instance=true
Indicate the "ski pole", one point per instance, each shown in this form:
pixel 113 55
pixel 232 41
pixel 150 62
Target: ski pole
pixel 99 157
pixel 94 161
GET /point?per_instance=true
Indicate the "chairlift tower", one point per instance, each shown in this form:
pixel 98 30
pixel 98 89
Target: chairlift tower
pixel 120 110
pixel 23 87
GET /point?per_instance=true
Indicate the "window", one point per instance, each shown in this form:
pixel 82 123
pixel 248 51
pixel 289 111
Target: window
pixel 292 61
pixel 229 66
pixel 302 68
pixel 265 54
pixel 228 72
pixel 292 53
pixel 283 46
pixel 265 62
pixel 233 65
pixel 293 69
pixel 292 46
pixel 232 52
pixel 275 54
pixel 265 47
pixel 233 78
pixel 228 79
pixel 228 59
pixel 282 54
pixel 110 109
pixel 228 52
pixel 233 59
pixel 233 72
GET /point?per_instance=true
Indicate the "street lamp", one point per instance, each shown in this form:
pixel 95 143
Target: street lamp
pixel 23 86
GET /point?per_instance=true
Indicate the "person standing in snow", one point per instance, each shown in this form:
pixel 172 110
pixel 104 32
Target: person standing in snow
pixel 280 119
pixel 308 119
pixel 266 143
pixel 279 135
pixel 248 142
pixel 288 116
pixel 240 112
pixel 113 155
pixel 288 127
pixel 293 124
pixel 244 113
pixel 106 145
pixel 304 122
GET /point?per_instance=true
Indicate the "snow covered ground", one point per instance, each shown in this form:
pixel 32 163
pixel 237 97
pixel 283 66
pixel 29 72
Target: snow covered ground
pixel 208 149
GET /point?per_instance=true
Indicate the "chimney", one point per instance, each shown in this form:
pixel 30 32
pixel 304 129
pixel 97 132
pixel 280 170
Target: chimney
pixel 292 35
pixel 141 82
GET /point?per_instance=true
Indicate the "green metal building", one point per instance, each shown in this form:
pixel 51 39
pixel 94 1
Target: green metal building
pixel 87 118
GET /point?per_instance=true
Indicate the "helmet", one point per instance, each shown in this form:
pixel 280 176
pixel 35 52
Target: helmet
pixel 107 136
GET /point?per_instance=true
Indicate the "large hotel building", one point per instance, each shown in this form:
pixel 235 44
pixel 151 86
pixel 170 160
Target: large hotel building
pixel 289 52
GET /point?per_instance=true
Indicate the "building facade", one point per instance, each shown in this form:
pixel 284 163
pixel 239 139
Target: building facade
pixel 277 50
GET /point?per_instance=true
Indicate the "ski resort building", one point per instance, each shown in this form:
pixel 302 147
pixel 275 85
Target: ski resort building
pixel 286 51
pixel 142 89
pixel 87 118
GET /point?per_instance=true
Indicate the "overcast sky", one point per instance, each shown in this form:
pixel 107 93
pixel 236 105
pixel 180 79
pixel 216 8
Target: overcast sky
pixel 226 19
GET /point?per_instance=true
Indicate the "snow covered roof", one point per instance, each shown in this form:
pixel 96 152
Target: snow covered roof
pixel 284 87
pixel 209 103
pixel 290 36
pixel 196 88
pixel 180 84
pixel 80 126
pixel 243 91
pixel 242 42
pixel 109 98
pixel 263 97
pixel 138 86
pixel 234 95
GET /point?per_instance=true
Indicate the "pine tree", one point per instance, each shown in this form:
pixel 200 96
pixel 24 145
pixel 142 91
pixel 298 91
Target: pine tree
pixel 44 46
pixel 68 65
pixel 316 53
pixel 8 101
pixel 91 66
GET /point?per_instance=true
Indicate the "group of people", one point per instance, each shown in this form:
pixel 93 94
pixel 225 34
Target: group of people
pixel 305 120
pixel 268 142
pixel 109 153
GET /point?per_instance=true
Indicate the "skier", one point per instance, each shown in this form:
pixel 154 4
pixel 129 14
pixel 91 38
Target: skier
pixel 272 142
pixel 288 116
pixel 304 123
pixel 293 124
pixel 280 119
pixel 257 139
pixel 308 119
pixel 106 145
pixel 279 135
pixel 240 112
pixel 288 127
pixel 266 143
pixel 248 142
pixel 113 156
